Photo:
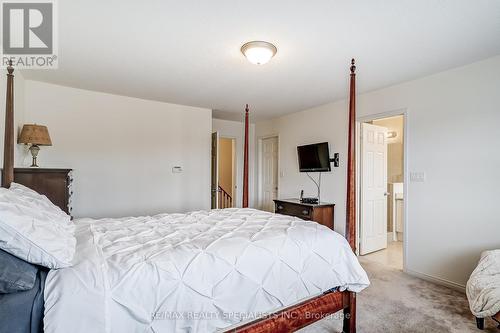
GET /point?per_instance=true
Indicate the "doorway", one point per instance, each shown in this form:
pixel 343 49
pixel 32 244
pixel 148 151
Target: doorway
pixel 268 172
pixel 382 190
pixel 223 172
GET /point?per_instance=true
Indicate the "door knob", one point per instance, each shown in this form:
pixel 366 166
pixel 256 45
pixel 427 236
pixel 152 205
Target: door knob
pixel 387 194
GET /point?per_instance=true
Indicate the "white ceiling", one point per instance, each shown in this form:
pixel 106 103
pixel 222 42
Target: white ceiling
pixel 188 52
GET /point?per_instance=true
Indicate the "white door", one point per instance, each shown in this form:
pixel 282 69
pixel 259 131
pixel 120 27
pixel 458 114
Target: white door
pixel 269 173
pixel 373 219
pixel 215 171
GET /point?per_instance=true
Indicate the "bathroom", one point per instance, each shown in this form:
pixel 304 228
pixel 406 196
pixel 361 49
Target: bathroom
pixel 388 252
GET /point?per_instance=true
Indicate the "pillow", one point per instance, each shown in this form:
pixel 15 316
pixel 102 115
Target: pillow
pixel 33 231
pixel 16 274
pixel 40 199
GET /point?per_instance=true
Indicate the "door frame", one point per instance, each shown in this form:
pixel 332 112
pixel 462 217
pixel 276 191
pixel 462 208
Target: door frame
pixel 406 177
pixel 259 166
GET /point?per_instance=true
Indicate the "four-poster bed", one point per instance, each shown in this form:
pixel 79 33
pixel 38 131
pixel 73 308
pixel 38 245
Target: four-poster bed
pixel 287 319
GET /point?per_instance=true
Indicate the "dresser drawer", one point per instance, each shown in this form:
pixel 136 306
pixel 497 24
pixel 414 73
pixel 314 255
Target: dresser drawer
pixel 294 210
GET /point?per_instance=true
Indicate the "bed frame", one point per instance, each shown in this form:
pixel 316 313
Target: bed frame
pixel 293 317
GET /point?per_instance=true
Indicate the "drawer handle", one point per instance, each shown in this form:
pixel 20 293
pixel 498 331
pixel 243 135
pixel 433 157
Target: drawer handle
pixel 280 207
pixel 305 212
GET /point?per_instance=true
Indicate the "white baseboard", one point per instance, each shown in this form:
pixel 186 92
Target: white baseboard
pixel 443 282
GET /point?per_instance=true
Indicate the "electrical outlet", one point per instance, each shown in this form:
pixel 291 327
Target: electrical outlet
pixel 417 177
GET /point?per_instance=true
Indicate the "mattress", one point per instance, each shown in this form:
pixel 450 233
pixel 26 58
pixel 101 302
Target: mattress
pixel 195 272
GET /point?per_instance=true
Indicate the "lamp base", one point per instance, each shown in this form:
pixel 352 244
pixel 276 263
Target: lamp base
pixel 34 149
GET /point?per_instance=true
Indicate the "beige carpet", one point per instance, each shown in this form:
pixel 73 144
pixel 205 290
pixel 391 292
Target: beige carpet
pixel 397 302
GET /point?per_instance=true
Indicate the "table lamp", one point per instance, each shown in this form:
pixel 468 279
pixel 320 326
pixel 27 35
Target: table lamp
pixel 36 136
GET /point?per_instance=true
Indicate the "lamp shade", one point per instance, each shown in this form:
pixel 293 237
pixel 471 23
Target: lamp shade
pixel 35 135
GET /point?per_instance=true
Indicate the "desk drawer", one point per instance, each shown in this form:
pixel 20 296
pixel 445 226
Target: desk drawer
pixel 294 210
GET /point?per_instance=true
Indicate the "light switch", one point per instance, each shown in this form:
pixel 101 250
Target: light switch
pixel 176 169
pixel 282 174
pixel 417 177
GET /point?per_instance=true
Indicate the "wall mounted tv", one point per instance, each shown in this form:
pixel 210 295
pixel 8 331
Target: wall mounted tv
pixel 314 158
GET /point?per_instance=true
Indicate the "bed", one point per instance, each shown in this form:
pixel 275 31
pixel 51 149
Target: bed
pixel 237 270
pixel 197 263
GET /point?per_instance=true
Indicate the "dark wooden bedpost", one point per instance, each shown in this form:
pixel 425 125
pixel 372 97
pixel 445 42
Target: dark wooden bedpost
pixel 350 232
pixel 245 162
pixel 331 301
pixel 8 148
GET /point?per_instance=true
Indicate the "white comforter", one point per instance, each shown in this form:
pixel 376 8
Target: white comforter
pixel 483 287
pixel 194 272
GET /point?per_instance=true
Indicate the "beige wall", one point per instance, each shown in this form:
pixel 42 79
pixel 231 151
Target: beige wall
pixel 226 165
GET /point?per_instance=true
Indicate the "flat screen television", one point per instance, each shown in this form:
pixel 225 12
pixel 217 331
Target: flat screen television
pixel 314 158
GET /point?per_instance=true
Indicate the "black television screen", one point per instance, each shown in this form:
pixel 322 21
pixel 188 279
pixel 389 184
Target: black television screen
pixel 314 158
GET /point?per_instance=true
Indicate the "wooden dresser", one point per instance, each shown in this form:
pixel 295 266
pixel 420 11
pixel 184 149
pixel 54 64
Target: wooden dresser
pixel 322 212
pixel 55 184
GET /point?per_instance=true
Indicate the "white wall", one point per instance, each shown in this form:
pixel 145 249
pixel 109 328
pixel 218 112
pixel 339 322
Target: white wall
pixel 324 123
pixel 453 137
pixel 236 130
pixel 123 149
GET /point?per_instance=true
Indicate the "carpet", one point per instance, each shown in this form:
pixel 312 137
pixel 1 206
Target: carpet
pixel 397 302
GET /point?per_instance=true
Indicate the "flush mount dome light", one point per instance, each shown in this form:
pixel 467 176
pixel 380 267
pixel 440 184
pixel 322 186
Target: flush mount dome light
pixel 258 52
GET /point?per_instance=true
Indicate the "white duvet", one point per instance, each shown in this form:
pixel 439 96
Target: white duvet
pixel 194 272
pixel 483 287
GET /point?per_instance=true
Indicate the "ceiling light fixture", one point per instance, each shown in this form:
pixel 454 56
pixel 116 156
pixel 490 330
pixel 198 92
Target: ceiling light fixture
pixel 258 52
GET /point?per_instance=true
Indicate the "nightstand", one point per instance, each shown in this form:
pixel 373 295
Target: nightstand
pixel 321 212
pixel 55 184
